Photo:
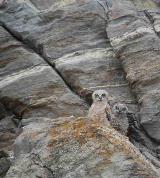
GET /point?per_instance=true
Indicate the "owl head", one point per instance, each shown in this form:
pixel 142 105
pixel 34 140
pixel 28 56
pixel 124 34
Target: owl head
pixel 120 108
pixel 100 96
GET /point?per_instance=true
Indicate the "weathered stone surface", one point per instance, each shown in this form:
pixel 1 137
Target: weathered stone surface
pixel 72 27
pixel 29 86
pixel 146 4
pixel 76 148
pixel 76 28
pixel 93 69
pixel 48 48
pixel 152 128
pixel 4 166
pixel 7 134
pixel 6 125
pixel 154 17
pixel 52 30
pixel 14 56
pixel 39 96
pixel 4 163
pixel 137 45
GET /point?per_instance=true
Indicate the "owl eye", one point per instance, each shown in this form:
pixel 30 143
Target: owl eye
pixel 103 95
pixel 96 95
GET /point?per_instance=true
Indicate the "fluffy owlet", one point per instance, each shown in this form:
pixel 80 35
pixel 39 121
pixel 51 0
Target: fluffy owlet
pixel 120 119
pixel 100 108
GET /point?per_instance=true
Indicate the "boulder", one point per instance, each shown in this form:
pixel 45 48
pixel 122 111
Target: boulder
pixel 68 147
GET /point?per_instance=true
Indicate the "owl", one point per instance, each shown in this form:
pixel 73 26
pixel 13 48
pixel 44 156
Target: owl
pixel 120 120
pixel 100 109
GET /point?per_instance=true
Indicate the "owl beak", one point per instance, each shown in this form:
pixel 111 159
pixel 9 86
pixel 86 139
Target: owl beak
pixel 100 98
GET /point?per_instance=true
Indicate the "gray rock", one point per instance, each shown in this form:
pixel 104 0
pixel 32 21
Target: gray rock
pixel 4 166
pixel 152 128
pixel 53 51
pixel 73 28
pixel 53 26
pixel 136 44
pixel 7 131
pixel 4 163
pixel 29 86
pixel 93 69
pixel 76 148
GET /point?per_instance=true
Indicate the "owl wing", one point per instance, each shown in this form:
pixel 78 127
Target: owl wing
pixel 132 119
pixel 109 116
pixel 116 124
pixel 108 112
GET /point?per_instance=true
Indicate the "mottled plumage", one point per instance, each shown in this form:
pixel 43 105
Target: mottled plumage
pixel 133 120
pixel 100 109
pixel 120 120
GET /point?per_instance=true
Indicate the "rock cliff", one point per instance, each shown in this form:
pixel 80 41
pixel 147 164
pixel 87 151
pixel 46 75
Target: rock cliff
pixel 53 55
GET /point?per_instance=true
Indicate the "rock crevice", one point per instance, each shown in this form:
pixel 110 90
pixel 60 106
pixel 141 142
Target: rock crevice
pixel 38 50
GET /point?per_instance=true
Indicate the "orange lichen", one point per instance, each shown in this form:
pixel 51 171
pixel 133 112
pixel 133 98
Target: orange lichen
pixel 34 135
pixel 109 141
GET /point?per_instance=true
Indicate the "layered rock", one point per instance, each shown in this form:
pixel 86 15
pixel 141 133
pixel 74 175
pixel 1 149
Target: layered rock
pixel 53 51
pixel 42 36
pixel 72 30
pixel 96 69
pixel 57 28
pixel 137 46
pixel 76 148
pixel 30 87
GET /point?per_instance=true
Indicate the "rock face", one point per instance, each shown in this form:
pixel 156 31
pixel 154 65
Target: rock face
pixel 54 54
pixel 63 32
pixel 76 148
pixel 29 86
pixel 4 163
pixel 136 44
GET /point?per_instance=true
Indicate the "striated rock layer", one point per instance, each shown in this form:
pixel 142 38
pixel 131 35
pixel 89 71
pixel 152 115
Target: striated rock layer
pixel 29 86
pixel 137 45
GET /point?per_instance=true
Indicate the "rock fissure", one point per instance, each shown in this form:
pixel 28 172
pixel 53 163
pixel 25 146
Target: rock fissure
pixel 40 163
pixel 40 51
pixel 105 8
pixel 152 21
